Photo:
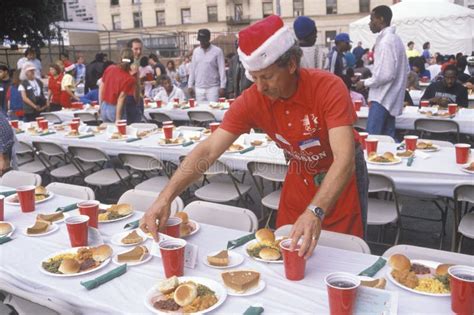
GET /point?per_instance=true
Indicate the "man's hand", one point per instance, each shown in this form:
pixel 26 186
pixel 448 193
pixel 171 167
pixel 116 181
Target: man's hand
pixel 360 86
pixel 221 92
pixel 307 226
pixel 159 210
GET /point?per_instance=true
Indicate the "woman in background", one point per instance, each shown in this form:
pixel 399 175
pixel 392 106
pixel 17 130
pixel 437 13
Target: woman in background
pixel 14 100
pixel 68 85
pixel 54 87
pixel 31 90
pixel 172 73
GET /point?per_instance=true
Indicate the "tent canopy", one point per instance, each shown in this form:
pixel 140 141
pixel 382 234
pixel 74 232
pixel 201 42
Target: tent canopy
pixel 448 27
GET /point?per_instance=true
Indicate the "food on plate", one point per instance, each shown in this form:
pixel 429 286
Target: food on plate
pixel 424 145
pixel 132 238
pixel 441 274
pixel 185 227
pixel 269 253
pixel 241 280
pixel 406 277
pixel 5 228
pixel 185 294
pixel 470 167
pixel 431 285
pixel 69 266
pixel 407 153
pixel 387 157
pixel 117 136
pixel 266 247
pixel 59 127
pixel 145 133
pixel 39 227
pixel 256 143
pixel 137 254
pixel 206 132
pixel 178 140
pixel 420 269
pixel 399 262
pixel 235 147
pixel 73 133
pixel 53 217
pixel 169 285
pixel 376 283
pixel 267 137
pixel 196 137
pixel 221 259
pixel 101 252
pixel 40 190
pixel 115 212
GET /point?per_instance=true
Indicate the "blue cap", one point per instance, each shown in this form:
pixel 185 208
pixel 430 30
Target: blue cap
pixel 342 37
pixel 303 26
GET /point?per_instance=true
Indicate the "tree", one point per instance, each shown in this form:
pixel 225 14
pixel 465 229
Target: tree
pixel 29 21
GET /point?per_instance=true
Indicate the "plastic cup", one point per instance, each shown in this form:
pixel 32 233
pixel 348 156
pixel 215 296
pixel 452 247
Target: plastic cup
pixel 26 195
pixel 371 145
pixel 74 125
pixel 172 226
pixel 14 124
pixel 294 264
pixel 172 255
pixel 221 99
pixel 122 121
pixel 90 208
pixel 168 122
pixel 192 102
pixel 158 103
pixel 122 128
pixel 214 126
pixel 146 101
pixel 342 291
pixel 38 119
pixel 462 289
pixel 462 152
pixel 424 103
pixel 77 229
pixel 77 119
pixel 410 142
pixel 452 108
pixel 357 105
pixel 362 137
pixel 43 125
pixel 168 131
pixel 176 100
pixel 2 213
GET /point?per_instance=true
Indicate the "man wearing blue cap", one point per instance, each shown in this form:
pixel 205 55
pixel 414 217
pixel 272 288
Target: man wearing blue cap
pixel 306 32
pixel 337 64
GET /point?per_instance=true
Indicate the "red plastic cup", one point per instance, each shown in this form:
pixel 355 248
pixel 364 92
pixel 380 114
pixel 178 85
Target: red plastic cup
pixel 77 228
pixel 172 226
pixel 43 125
pixel 294 264
pixel 221 99
pixel 176 100
pixel 424 103
pixel 26 195
pixel 77 119
pixel 191 102
pixel 122 128
pixel 122 121
pixel 90 208
pixel 462 289
pixel 38 119
pixel 168 123
pixel 230 101
pixel 2 213
pixel 14 124
pixel 362 137
pixel 463 151
pixel 452 108
pixel 410 142
pixel 168 131
pixel 158 103
pixel 342 291
pixel 74 125
pixel 357 105
pixel 146 101
pixel 172 255
pixel 214 126
pixel 371 145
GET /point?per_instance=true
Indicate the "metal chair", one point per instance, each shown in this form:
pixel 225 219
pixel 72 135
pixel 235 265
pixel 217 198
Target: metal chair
pixel 416 252
pixel 141 200
pixel 201 117
pixel 36 164
pixel 158 118
pixel 437 126
pixel 52 117
pixel 16 179
pixel 24 153
pixel 463 193
pixel 73 191
pixel 91 119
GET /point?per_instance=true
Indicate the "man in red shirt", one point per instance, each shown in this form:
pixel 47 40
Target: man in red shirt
pixel 309 114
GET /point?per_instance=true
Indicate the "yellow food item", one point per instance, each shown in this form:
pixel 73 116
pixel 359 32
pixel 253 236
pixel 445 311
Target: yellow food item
pixel 104 216
pixel 431 286
pixel 62 256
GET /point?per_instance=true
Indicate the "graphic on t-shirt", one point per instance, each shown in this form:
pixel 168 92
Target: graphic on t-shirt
pixel 310 124
pixel 451 97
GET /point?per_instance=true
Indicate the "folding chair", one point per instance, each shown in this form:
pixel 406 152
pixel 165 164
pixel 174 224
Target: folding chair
pixel 416 252
pixel 52 117
pixel 73 191
pixel 144 126
pixel 463 193
pixel 437 126
pixel 24 153
pixel 90 119
pixel 141 200
pixel 36 165
pixel 16 179
pixel 201 117
pixel 158 118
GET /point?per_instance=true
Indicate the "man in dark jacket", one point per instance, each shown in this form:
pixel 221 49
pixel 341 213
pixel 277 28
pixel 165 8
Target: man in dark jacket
pixel 4 85
pixel 94 72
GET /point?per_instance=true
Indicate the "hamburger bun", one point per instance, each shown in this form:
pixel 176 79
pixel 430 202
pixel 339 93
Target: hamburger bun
pixel 388 156
pixel 183 216
pixel 442 269
pixel 185 294
pixel 101 253
pixel 265 235
pixel 5 228
pixel 69 266
pixel 399 262
pixel 269 253
pixel 169 285
pixel 40 190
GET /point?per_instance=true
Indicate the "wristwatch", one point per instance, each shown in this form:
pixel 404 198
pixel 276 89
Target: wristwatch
pixel 317 211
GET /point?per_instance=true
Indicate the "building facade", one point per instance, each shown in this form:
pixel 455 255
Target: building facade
pixel 80 11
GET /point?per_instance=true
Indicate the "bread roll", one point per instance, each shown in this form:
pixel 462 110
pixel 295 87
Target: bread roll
pixel 442 269
pixel 101 253
pixel 169 285
pixel 5 228
pixel 183 216
pixel 185 294
pixel 69 266
pixel 40 190
pixel 269 253
pixel 265 235
pixel 399 262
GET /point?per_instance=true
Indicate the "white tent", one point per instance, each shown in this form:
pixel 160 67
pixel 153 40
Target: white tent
pixel 448 27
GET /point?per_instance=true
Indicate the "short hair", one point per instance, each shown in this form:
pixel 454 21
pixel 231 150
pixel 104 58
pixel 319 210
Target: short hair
pixel 410 43
pixel 384 12
pixel 165 77
pixel 144 61
pixel 439 58
pixel 29 50
pixel 294 51
pixel 55 67
pixel 425 45
pixel 4 67
pixel 451 68
pixel 154 57
pixel 134 40
pixel 359 63
pixel 419 62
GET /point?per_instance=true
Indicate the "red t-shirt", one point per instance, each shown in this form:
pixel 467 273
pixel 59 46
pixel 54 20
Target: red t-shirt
pixel 55 86
pixel 115 81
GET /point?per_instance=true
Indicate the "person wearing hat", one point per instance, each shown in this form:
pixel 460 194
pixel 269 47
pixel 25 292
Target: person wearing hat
pixel 306 33
pixel 31 89
pixel 309 114
pixel 207 78
pixel 337 62
pixel 68 86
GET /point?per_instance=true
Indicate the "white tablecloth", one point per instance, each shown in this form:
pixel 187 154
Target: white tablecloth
pixel 20 260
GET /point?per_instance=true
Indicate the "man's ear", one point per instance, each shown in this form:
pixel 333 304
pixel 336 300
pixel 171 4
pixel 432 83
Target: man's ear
pixel 292 65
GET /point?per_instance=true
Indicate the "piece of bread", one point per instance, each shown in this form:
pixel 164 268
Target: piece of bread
pixel 5 228
pixel 442 269
pixel 40 190
pixel 135 255
pixel 121 209
pixel 185 294
pixel 51 217
pixel 399 262
pixel 69 266
pixel 389 156
pixel 169 285
pixel 263 235
pixel 376 283
pixel 256 142
pixel 183 216
pixel 39 227
pixel 132 238
pixel 101 253
pixel 240 280
pixel 220 260
pixel 268 253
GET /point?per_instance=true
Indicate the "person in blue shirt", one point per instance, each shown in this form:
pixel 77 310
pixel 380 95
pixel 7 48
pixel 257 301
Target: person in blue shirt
pixel 92 95
pixel 419 67
pixel 15 102
pixel 80 70
pixel 426 52
pixel 359 51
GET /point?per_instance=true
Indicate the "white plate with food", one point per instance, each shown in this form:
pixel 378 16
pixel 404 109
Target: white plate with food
pixel 468 168
pixel 37 230
pixel 114 213
pixel 388 158
pixel 118 137
pixel 190 295
pixel 80 261
pixel 189 229
pixel 259 288
pixel 427 147
pixel 171 142
pixel 77 135
pixel 242 282
pixel 405 154
pixel 55 217
pixel 129 238
pixel 134 257
pixel 6 229
pixel 39 198
pixel 253 250
pixel 236 148
pixel 223 259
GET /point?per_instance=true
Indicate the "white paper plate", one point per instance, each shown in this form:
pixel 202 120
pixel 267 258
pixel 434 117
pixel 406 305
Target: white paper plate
pixel 197 227
pixel 11 232
pixel 259 288
pixel 104 207
pixel 77 136
pixel 124 138
pixel 147 258
pixel 72 250
pixel 117 238
pixel 65 215
pixel 464 168
pixel 9 198
pixel 398 161
pixel 403 157
pixel 244 147
pixel 220 291
pixel 427 263
pixel 433 148
pixel 171 144
pixel 235 259
pixel 51 229
pixel 260 259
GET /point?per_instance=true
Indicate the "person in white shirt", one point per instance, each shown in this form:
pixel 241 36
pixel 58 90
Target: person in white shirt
pixel 389 75
pixel 30 57
pixel 435 69
pixel 169 91
pixel 306 32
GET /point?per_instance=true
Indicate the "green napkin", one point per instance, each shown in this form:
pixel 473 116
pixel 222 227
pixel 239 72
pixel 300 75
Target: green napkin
pixel 188 143
pixel 47 133
pixel 67 208
pixel 106 277
pixel 8 193
pixel 247 150
pixel 5 239
pixel 132 225
pixel 254 310
pixel 240 241
pixel 410 160
pixel 372 270
pixel 133 139
pixel 18 132
pixel 87 136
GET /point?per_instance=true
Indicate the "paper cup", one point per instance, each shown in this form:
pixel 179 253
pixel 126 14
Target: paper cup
pixel 43 125
pixel 172 226
pixel 410 142
pixel 14 124
pixel 74 125
pixel 462 289
pixel 452 108
pixel 77 229
pixel 38 119
pixel 172 255
pixel 371 145
pixel 342 291
pixel 146 101
pixel 463 151
pixel 221 99
pixel 90 208
pixel 191 102
pixel 213 126
pixel 357 105
pixel 294 264
pixel 424 103
pixel 2 213
pixel 158 103
pixel 168 122
pixel 362 137
pixel 26 195
pixel 122 128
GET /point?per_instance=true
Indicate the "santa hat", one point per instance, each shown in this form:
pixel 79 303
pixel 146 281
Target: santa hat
pixel 262 43
pixel 69 68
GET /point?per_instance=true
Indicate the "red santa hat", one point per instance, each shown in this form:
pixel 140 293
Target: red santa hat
pixel 262 43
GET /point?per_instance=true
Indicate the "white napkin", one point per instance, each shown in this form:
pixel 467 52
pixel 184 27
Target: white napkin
pixel 421 154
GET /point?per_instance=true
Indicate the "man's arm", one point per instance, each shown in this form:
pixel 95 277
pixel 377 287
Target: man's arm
pixel 120 103
pixel 308 225
pixel 190 170
pixel 221 65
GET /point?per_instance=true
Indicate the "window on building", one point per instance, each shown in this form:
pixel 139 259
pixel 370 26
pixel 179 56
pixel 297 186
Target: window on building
pixel 116 22
pixel 298 7
pixel 331 6
pixel 114 2
pixel 185 16
pixel 238 12
pixel 212 14
pixel 136 1
pixel 160 18
pixel 137 19
pixel 267 8
pixel 364 6
pixel 330 35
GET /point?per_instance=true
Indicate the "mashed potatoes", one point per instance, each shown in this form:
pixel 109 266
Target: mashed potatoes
pixel 431 286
